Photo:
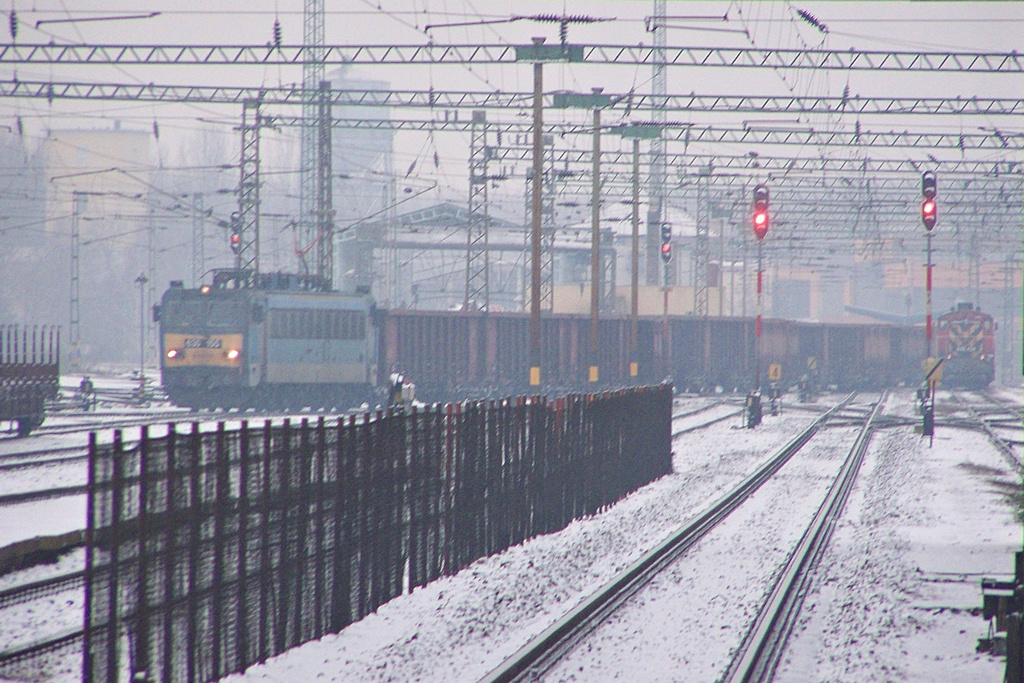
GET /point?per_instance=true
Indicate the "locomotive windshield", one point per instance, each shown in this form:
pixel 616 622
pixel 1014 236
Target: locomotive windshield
pixel 204 315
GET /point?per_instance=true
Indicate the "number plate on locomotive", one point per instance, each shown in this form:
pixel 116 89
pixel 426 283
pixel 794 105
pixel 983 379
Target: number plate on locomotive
pixel 194 343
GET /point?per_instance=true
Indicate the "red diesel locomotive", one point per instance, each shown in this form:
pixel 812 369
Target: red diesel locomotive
pixel 967 344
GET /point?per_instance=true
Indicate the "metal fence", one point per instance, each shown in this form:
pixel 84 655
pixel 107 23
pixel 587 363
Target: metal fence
pixel 209 552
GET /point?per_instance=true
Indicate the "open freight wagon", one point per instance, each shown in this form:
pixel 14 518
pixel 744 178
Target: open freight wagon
pixel 29 374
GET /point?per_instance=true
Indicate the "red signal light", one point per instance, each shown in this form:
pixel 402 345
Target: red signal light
pixel 236 242
pixel 761 224
pixel 666 252
pixel 929 213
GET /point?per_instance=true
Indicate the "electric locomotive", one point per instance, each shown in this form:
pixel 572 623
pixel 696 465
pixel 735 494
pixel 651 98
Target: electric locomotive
pixel 966 342
pixel 275 341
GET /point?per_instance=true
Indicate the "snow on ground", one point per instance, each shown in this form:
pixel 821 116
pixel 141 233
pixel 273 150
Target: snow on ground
pixel 41 518
pixel 461 627
pixel 687 623
pixel 897 590
pixel 921 529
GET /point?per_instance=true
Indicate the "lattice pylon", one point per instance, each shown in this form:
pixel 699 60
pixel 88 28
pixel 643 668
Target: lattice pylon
pixel 248 256
pixel 477 265
pixel 701 250
pixel 548 227
pixel 324 194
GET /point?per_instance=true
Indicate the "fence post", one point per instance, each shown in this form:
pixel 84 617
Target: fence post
pixel 117 485
pixel 243 648
pixel 141 650
pixel 90 550
pixel 268 623
pixel 195 539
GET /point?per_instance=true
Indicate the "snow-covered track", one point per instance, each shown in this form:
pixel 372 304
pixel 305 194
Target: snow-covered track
pixel 42 494
pixel 42 650
pixel 708 423
pixel 98 422
pixel 696 411
pixel 43 456
pixel 33 656
pixel 758 655
pixel 980 417
pixel 540 654
pixel 29 591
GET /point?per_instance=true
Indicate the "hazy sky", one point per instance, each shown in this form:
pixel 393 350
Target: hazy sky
pixel 915 26
pixel 920 26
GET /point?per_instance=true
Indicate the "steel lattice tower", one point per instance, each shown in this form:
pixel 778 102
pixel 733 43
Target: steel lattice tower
pixel 477 270
pixel 701 247
pixel 324 194
pixel 656 188
pixel 548 226
pixel 312 76
pixel 248 257
pixel 198 240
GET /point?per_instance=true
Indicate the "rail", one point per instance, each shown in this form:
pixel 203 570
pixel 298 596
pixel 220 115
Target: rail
pixel 530 661
pixel 760 651
pixel 978 422
pixel 27 591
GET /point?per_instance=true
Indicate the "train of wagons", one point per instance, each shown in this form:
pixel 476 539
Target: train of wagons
pixel 965 341
pixel 287 341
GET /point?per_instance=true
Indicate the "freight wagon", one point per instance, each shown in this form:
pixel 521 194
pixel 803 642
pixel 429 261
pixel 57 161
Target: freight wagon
pixel 29 374
pixel 455 354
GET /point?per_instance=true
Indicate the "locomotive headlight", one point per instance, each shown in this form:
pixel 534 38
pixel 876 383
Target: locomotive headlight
pixel 233 354
pixel 172 353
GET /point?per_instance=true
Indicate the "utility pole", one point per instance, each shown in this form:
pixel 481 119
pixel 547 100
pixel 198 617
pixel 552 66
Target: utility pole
pixel 538 53
pixel 538 170
pixel 75 352
pixel 634 293
pixel 247 249
pixel 701 248
pixel 595 246
pixel 141 281
pixel 636 133
pixel 656 191
pixel 198 240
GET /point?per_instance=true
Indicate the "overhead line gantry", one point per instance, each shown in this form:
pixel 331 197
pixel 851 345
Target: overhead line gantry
pixel 472 100
pixel 434 54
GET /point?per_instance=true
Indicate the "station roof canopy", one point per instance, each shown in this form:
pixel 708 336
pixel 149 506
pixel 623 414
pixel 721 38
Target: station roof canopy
pixel 447 214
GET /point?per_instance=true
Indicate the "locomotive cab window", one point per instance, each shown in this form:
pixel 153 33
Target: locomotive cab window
pixel 204 315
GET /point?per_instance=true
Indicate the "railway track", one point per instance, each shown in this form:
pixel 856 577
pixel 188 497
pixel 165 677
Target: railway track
pixel 34 654
pixel 703 409
pixel 991 416
pixel 761 649
pixel 534 659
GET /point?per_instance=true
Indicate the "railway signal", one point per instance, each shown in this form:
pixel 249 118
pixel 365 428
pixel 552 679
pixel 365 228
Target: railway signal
pixel 760 218
pixel 666 242
pixel 235 236
pixel 929 207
